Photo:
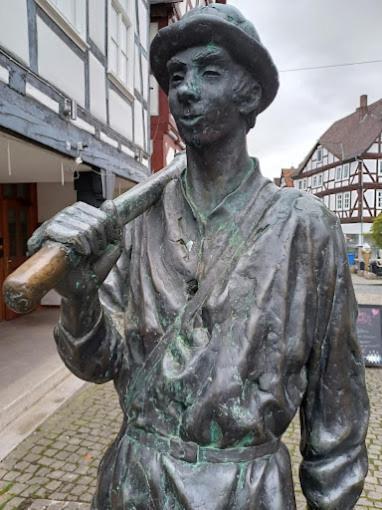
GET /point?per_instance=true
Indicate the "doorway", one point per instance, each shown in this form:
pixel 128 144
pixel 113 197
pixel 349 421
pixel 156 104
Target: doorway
pixel 18 220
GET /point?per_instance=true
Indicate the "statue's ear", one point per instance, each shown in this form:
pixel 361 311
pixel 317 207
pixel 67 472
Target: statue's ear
pixel 250 100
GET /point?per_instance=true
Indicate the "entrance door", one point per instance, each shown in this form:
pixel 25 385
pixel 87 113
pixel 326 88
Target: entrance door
pixel 18 215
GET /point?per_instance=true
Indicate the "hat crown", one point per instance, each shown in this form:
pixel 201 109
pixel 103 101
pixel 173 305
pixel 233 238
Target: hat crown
pixel 227 13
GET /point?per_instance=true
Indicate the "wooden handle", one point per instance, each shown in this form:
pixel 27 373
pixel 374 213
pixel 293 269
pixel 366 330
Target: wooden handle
pixel 25 287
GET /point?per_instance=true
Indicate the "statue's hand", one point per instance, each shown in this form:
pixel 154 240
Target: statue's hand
pixel 94 238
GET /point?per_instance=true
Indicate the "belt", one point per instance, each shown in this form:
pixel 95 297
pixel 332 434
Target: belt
pixel 193 453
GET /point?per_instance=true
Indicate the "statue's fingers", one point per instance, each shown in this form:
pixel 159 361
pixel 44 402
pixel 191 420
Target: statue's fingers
pixel 90 226
pixel 61 232
pixel 37 239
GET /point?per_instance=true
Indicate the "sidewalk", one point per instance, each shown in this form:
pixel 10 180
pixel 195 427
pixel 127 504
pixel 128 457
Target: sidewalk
pixel 55 468
pixel 31 372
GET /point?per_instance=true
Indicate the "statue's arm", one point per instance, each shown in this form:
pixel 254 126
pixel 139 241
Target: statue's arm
pixel 86 336
pixel 334 414
pixel 89 335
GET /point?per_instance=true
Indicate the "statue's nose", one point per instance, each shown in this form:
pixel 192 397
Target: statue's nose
pixel 189 89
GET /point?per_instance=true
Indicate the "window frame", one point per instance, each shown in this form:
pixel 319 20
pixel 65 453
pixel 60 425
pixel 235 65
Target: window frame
pixel 124 17
pixel 346 198
pixel 339 202
pixel 77 35
pixel 379 168
pixel 338 173
pixel 379 199
pixel 347 167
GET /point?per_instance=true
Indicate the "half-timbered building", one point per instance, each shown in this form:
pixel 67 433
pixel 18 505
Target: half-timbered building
pixel 344 169
pixel 165 137
pixel 74 110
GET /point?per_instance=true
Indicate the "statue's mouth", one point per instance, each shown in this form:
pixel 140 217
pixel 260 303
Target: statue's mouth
pixel 190 119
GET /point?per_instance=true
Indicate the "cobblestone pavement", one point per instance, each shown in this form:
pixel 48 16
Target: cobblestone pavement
pixel 55 468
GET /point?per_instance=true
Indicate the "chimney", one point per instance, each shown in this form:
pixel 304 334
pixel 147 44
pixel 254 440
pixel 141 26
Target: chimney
pixel 363 109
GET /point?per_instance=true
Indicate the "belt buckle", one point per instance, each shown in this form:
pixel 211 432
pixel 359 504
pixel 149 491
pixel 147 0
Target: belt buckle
pixel 186 451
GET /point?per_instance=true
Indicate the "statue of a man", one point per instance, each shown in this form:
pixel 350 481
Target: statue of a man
pixel 230 307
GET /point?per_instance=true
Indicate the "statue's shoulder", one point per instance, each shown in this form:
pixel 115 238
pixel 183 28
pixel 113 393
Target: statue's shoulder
pixel 308 208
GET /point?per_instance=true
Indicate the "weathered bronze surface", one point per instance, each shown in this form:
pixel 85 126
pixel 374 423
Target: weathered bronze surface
pixel 230 308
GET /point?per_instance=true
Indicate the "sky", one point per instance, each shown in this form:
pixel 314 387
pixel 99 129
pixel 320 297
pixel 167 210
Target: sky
pixel 306 33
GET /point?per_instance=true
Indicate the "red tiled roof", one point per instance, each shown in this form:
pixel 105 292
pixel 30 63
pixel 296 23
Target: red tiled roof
pixel 351 136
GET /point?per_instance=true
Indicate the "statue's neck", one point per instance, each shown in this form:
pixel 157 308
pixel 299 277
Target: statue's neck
pixel 215 171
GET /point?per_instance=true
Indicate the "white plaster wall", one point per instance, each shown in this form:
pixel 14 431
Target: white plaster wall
pixel 182 6
pixel 154 87
pixel 120 112
pixel 97 23
pixel 59 64
pixel 137 70
pixel 52 197
pixel 97 79
pixel 369 195
pixel 145 73
pixel 14 27
pixel 143 19
pixel 138 125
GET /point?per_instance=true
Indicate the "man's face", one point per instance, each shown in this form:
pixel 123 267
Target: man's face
pixel 201 94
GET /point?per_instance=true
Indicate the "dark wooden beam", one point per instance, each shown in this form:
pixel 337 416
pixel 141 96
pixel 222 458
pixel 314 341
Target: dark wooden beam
pixel 37 123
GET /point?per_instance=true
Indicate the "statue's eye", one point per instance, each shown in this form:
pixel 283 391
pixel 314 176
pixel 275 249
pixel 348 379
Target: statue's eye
pixel 209 73
pixel 176 78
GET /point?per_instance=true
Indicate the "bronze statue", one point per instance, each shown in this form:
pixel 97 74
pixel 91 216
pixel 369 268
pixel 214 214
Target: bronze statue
pixel 230 307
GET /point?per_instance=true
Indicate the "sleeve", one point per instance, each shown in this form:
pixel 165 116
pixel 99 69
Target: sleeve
pixel 97 356
pixel 335 409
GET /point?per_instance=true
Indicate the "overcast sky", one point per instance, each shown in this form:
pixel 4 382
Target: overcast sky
pixel 305 33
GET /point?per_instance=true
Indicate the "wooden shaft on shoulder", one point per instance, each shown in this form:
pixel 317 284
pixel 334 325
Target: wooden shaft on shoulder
pixel 28 284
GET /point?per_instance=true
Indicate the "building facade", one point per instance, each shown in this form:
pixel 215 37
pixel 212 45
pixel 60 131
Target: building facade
pixel 344 170
pixel 165 138
pixel 74 110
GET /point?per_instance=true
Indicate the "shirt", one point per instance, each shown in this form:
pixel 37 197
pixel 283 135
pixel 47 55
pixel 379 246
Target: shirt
pixel 275 334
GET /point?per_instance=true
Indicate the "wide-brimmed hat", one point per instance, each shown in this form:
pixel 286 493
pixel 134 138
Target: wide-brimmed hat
pixel 225 26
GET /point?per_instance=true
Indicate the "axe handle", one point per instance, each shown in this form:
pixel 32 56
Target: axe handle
pixel 28 284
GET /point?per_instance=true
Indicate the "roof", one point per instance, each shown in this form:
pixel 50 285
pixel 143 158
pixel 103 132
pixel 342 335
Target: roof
pixel 351 136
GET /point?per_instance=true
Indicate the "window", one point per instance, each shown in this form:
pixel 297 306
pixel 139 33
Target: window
pixel 345 171
pixel 320 180
pixel 73 11
pixel 319 154
pixel 379 168
pixel 338 173
pixel 339 202
pixel 299 184
pixel 70 16
pixel 315 181
pixel 305 186
pixel 120 46
pixel 379 199
pixel 347 200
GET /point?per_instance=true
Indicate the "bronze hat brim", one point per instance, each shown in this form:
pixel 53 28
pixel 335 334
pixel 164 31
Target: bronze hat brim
pixel 211 29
